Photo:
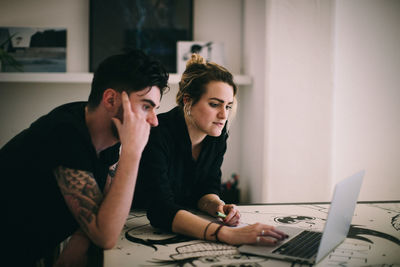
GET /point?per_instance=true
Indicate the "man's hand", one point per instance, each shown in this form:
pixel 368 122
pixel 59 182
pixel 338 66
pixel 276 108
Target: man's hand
pixel 134 130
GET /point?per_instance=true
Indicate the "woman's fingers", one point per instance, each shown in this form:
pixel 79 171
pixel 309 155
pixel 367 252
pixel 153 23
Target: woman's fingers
pixel 233 215
pixel 265 240
pixel 273 233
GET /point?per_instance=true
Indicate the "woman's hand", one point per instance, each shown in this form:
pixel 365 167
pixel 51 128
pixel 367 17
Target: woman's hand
pixel 232 214
pixel 258 233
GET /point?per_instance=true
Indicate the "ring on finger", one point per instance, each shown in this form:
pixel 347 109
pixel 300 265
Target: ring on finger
pixel 258 239
pixel 262 232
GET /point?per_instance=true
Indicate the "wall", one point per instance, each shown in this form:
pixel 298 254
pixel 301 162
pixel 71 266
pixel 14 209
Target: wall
pixel 367 95
pixel 299 101
pixel 332 98
pixel 22 103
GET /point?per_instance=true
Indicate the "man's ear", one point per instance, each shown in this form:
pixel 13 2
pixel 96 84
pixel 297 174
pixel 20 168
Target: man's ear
pixel 110 98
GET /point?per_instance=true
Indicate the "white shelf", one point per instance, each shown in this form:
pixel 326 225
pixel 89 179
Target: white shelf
pixel 82 77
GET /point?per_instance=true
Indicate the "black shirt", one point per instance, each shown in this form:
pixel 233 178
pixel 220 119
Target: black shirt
pixel 169 178
pixel 37 217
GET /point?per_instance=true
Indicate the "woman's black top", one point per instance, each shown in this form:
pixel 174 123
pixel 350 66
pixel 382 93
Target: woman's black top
pixel 169 178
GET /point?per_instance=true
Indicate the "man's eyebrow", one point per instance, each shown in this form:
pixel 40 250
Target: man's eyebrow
pixel 219 100
pixel 151 102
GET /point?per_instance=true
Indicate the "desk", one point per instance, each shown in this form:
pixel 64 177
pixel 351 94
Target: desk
pixel 373 239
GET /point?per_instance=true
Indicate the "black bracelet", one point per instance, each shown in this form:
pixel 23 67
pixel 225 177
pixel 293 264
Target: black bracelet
pixel 205 231
pixel 216 232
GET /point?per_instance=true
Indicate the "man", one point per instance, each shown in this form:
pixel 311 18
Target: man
pixel 73 171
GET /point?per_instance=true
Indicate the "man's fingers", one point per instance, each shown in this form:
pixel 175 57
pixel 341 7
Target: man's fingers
pixel 126 104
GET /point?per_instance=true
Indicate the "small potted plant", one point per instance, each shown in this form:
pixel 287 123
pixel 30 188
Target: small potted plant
pixel 6 58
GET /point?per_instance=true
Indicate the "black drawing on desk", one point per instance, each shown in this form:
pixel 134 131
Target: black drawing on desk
pixel 219 255
pixel 396 222
pixel 357 232
pixel 351 253
pixel 156 237
pixel 295 219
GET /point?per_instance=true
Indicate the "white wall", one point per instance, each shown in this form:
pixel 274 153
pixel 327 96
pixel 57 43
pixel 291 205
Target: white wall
pixel 299 100
pixel 367 95
pixel 253 104
pixel 22 103
pixel 332 101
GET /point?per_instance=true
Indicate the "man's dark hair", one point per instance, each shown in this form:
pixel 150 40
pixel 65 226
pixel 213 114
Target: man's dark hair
pixel 130 72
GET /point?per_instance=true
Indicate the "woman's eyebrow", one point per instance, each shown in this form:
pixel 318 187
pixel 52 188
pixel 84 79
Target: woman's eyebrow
pixel 219 100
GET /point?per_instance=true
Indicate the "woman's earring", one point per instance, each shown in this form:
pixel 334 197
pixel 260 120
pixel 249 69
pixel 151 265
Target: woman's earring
pixel 187 109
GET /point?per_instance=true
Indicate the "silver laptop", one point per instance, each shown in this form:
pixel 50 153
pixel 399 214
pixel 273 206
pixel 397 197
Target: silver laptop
pixel 310 247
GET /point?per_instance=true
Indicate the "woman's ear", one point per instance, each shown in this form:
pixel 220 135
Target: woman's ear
pixel 187 104
pixel 187 99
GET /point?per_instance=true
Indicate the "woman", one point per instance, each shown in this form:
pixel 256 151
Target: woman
pixel 180 167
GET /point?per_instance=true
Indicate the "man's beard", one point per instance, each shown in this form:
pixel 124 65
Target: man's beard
pixel 119 116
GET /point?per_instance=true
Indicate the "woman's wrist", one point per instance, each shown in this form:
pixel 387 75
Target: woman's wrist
pixel 223 234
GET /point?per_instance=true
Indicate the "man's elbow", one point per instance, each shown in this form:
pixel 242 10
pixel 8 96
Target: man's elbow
pixel 109 245
pixel 105 242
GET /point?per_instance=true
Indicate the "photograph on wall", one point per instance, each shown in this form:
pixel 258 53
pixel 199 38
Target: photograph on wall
pixel 153 26
pixel 211 51
pixel 31 49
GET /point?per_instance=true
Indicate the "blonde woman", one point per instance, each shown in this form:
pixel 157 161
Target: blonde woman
pixel 180 167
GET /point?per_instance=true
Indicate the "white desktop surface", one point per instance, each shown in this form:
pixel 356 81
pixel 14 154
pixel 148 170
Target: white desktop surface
pixel 373 239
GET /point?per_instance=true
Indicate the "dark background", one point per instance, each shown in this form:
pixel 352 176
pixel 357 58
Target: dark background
pixel 153 26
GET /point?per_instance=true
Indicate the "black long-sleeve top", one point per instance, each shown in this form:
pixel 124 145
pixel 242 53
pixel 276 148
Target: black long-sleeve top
pixel 169 178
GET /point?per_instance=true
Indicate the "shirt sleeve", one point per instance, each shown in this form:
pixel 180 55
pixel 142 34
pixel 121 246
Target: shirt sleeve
pixel 153 172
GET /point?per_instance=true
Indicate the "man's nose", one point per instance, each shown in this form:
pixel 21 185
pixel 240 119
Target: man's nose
pixel 152 119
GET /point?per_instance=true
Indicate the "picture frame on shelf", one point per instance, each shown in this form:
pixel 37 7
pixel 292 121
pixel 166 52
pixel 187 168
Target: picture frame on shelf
pixel 211 51
pixel 33 49
pixel 154 26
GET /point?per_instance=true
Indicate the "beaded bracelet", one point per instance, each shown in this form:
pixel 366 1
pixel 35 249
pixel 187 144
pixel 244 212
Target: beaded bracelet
pixel 205 231
pixel 216 232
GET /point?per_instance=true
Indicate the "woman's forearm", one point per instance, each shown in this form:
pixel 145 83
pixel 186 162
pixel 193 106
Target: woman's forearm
pixel 189 224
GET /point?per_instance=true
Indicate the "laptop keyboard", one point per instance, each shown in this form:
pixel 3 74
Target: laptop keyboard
pixel 304 245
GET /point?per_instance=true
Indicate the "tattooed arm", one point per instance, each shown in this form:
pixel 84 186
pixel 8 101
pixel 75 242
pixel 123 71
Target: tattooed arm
pixel 102 218
pixel 84 198
pixel 111 174
pixel 75 252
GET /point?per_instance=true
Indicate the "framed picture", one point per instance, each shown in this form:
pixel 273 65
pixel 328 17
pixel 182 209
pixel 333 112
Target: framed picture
pixel 211 51
pixel 154 26
pixel 31 49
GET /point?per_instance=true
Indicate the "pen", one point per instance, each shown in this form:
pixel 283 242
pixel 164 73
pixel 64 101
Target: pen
pixel 221 215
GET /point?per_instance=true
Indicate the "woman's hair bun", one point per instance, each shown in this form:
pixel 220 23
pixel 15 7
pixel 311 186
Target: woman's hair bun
pixel 196 59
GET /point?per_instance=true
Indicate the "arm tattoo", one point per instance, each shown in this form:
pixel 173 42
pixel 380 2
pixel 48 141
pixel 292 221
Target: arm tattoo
pixel 110 177
pixel 112 170
pixel 81 193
